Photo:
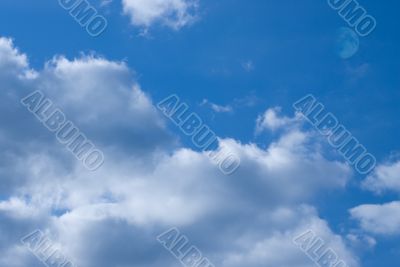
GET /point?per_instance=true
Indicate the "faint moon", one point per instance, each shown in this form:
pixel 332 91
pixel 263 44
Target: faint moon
pixel 347 42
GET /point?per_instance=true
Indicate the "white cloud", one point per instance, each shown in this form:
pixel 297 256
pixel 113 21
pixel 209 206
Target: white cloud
pixel 379 219
pixel 361 241
pixel 217 108
pixel 13 63
pixel 278 248
pixel 11 58
pixel 271 120
pixel 173 13
pixel 104 3
pixel 148 183
pixel 386 177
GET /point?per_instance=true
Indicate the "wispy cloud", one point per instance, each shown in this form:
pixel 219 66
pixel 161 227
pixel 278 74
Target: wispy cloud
pixel 248 66
pixel 215 107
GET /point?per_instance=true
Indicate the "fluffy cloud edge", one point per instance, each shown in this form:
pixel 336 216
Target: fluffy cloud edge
pixel 174 14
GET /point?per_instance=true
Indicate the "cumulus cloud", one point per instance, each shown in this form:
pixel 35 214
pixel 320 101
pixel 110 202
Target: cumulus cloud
pixel 13 62
pixel 278 248
pixel 386 177
pixel 379 219
pixel 148 182
pixel 272 120
pixel 172 13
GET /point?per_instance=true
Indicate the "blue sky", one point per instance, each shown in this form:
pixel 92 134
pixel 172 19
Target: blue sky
pixel 232 62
